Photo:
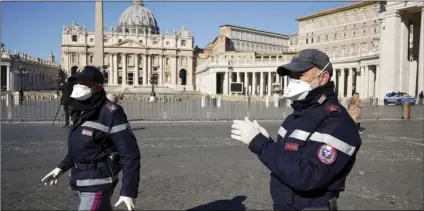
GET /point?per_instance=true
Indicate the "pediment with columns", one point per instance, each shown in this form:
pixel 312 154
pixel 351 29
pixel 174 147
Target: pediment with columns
pixel 128 43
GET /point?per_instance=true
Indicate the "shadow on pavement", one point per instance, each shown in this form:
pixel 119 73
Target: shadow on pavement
pixel 231 204
pixel 138 128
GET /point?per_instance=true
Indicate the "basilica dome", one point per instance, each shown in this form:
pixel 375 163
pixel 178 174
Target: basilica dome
pixel 138 17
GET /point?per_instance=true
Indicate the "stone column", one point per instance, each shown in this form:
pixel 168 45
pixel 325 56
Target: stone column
pixel 377 82
pixel 389 51
pixel 349 82
pixel 124 69
pixel 238 76
pixel 145 74
pixel 8 81
pixel 174 68
pixel 253 83
pixel 370 82
pixel 110 72
pixel 365 82
pixel 161 69
pixel 269 83
pixel 136 72
pixel 190 72
pixel 246 82
pixel 115 69
pixel 149 68
pixel 261 83
pixel 98 34
pixel 421 55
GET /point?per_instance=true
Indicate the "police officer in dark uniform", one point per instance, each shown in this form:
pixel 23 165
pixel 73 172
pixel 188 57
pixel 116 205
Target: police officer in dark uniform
pixel 100 144
pixel 316 145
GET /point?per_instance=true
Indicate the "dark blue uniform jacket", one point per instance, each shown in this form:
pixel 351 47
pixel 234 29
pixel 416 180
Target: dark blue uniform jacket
pixel 89 143
pixel 314 152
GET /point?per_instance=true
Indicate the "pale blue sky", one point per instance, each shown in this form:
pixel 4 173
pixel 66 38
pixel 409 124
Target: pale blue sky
pixel 35 27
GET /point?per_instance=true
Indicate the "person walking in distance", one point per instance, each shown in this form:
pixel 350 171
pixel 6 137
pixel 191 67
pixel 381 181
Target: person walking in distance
pixel 100 145
pixel 316 145
pixel 354 109
pixel 65 100
pixel 420 98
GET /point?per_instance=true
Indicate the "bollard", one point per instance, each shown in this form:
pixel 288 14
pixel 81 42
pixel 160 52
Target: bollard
pixel 218 102
pixel 276 100
pixel 406 110
pixel 203 102
pixel 16 98
pixel 267 101
pixel 9 98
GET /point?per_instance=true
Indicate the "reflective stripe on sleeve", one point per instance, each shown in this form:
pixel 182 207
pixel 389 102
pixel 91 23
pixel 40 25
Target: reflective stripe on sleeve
pixel 334 142
pixel 282 132
pixel 104 128
pixel 300 134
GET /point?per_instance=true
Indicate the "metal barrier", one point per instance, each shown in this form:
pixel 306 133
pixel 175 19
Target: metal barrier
pixel 182 108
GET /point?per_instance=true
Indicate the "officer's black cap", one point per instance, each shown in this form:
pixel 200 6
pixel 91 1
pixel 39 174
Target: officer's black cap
pixel 305 60
pixel 89 74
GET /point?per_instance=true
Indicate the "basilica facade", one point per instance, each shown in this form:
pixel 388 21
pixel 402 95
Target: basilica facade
pixel 134 51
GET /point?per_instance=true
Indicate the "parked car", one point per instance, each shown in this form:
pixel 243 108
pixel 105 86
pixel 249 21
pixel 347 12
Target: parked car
pixel 398 98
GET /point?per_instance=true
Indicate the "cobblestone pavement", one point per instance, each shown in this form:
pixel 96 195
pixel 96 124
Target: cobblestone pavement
pixel 189 165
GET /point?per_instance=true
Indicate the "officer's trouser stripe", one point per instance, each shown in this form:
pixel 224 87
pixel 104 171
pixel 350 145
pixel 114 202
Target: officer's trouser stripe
pixel 104 128
pixel 102 181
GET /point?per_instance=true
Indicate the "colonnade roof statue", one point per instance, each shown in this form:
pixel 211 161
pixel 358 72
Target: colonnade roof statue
pixel 137 17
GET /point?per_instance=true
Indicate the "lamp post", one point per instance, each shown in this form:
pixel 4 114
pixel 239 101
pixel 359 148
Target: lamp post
pixel 153 81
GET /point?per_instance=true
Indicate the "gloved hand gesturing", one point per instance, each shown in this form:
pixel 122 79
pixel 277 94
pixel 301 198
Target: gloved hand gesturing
pixel 261 129
pixel 244 131
pixel 130 202
pixel 52 177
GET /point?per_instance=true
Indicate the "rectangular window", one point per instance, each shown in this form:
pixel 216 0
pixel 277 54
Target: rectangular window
pixel 91 40
pixel 74 38
pixel 183 43
pixel 130 78
pixel 120 80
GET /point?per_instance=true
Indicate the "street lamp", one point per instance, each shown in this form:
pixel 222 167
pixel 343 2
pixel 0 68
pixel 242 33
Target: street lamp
pixel 153 81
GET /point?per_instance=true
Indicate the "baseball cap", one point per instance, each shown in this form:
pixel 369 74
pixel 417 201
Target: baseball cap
pixel 305 60
pixel 89 74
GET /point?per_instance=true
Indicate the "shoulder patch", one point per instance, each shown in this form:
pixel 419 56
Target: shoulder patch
pixel 111 107
pixel 327 154
pixel 332 108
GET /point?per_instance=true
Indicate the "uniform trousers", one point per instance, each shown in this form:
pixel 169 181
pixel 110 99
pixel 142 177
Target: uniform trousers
pixel 100 200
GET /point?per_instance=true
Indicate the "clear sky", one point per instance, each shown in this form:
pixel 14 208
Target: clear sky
pixel 36 27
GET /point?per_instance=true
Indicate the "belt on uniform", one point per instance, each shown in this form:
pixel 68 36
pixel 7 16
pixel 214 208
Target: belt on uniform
pixel 84 166
pixel 331 206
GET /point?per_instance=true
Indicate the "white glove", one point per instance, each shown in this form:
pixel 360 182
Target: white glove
pixel 130 202
pixel 52 177
pixel 244 131
pixel 263 130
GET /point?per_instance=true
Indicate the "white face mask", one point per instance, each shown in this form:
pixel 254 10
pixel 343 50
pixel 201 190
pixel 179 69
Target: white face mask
pixel 298 89
pixel 81 92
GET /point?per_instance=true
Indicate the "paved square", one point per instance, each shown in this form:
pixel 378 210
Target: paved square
pixel 188 165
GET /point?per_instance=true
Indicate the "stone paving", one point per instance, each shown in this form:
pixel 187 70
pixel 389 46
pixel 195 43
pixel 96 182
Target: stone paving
pixel 197 165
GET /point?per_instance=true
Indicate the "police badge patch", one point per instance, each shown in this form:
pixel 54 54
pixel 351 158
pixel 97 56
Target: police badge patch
pixel 327 154
pixel 111 107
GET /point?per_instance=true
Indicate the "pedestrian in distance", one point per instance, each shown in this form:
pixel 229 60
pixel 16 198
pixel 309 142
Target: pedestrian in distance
pixel 100 145
pixel 316 145
pixel 420 98
pixel 354 109
pixel 66 99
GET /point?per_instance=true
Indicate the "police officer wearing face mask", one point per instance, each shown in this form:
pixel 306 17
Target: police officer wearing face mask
pixel 100 144
pixel 316 145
